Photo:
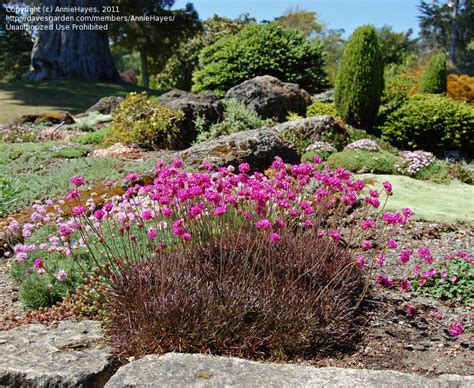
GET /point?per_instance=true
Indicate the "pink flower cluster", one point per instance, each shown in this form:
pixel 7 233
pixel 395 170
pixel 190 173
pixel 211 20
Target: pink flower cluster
pixel 414 161
pixel 363 144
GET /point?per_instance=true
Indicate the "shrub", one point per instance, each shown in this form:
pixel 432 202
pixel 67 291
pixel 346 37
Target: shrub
pixel 461 173
pixel 461 87
pixel 359 83
pixel 449 279
pixel 431 122
pixel 142 122
pixel 8 195
pixel 260 49
pixel 241 297
pixel 412 162
pixel 319 148
pixel 434 80
pixel 397 86
pixel 357 160
pixel 321 108
pixel 237 117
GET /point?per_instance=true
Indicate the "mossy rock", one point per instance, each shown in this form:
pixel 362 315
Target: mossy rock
pixel 46 117
pixel 380 162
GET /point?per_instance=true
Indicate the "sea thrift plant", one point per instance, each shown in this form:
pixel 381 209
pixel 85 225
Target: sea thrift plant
pixel 363 144
pixel 414 161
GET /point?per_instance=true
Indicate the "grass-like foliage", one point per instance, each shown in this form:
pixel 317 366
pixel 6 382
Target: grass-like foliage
pixel 238 296
pixel 261 49
pixel 8 194
pixel 237 117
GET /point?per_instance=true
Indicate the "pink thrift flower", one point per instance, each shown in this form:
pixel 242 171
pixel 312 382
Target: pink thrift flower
pixel 360 261
pixel 388 187
pixel 335 235
pixel 220 210
pixel 78 181
pixel 72 194
pixel 405 255
pixel 275 237
pixel 374 193
pixel 78 210
pixel 167 211
pixel 456 329
pixel 38 263
pixel 65 230
pixel 263 224
pixel 366 244
pixel 152 234
pixel 381 260
pixel 392 244
pixel 405 285
pixel 410 310
pixel 244 167
pixel 99 214
pixel 177 163
pixel 146 215
pixel 62 275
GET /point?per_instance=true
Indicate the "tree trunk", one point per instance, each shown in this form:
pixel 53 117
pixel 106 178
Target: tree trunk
pixel 454 32
pixel 79 54
pixel 144 66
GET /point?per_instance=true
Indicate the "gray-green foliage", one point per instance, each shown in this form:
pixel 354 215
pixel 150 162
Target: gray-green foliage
pixel 359 83
pixel 237 117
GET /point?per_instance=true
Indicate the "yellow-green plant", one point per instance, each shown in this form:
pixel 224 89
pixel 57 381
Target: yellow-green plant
pixel 145 123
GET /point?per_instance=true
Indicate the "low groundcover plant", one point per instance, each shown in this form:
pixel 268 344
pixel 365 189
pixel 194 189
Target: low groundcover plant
pixel 228 262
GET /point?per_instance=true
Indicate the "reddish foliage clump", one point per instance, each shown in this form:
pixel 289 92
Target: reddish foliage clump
pixel 239 296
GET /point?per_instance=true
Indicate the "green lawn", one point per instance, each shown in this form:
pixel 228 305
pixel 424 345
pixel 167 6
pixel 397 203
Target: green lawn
pixel 21 97
pixel 429 201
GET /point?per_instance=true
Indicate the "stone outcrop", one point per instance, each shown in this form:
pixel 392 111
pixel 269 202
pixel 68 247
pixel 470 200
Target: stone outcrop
pixel 73 354
pixel 270 97
pixel 46 117
pixel 258 147
pixel 197 370
pixel 106 105
pixel 193 106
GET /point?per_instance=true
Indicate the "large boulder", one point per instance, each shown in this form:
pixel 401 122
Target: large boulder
pixel 258 147
pixel 198 370
pixel 72 354
pixel 317 128
pixel 53 117
pixel 270 97
pixel 106 105
pixel 193 106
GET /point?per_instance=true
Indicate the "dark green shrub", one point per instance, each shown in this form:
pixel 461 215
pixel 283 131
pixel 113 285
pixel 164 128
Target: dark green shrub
pixel 435 172
pixel 143 122
pixel 359 83
pixel 321 108
pixel 364 161
pixel 237 117
pixel 261 49
pixel 435 76
pixel 431 122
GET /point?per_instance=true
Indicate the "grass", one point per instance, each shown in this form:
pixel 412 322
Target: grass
pixel 23 97
pixel 443 203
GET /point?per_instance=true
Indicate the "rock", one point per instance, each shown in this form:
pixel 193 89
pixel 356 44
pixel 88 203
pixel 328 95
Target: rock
pixel 258 147
pixel 315 127
pixel 327 96
pixel 46 117
pixel 270 97
pixel 106 105
pixel 118 150
pixel 193 106
pixel 69 355
pixel 175 369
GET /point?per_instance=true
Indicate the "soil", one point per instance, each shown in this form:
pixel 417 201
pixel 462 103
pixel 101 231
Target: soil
pixel 389 338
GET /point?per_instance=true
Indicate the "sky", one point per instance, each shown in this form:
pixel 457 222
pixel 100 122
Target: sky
pixel 345 14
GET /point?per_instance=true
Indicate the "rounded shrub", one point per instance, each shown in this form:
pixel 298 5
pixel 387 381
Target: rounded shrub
pixel 321 108
pixel 358 160
pixel 435 76
pixel 431 122
pixel 359 83
pixel 143 122
pixel 261 49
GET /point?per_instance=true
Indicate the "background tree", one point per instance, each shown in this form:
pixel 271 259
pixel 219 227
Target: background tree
pixel 359 83
pixel 154 41
pixel 447 25
pixel 435 76
pixel 395 46
pixel 177 73
pixel 304 21
pixel 72 53
pixel 15 49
